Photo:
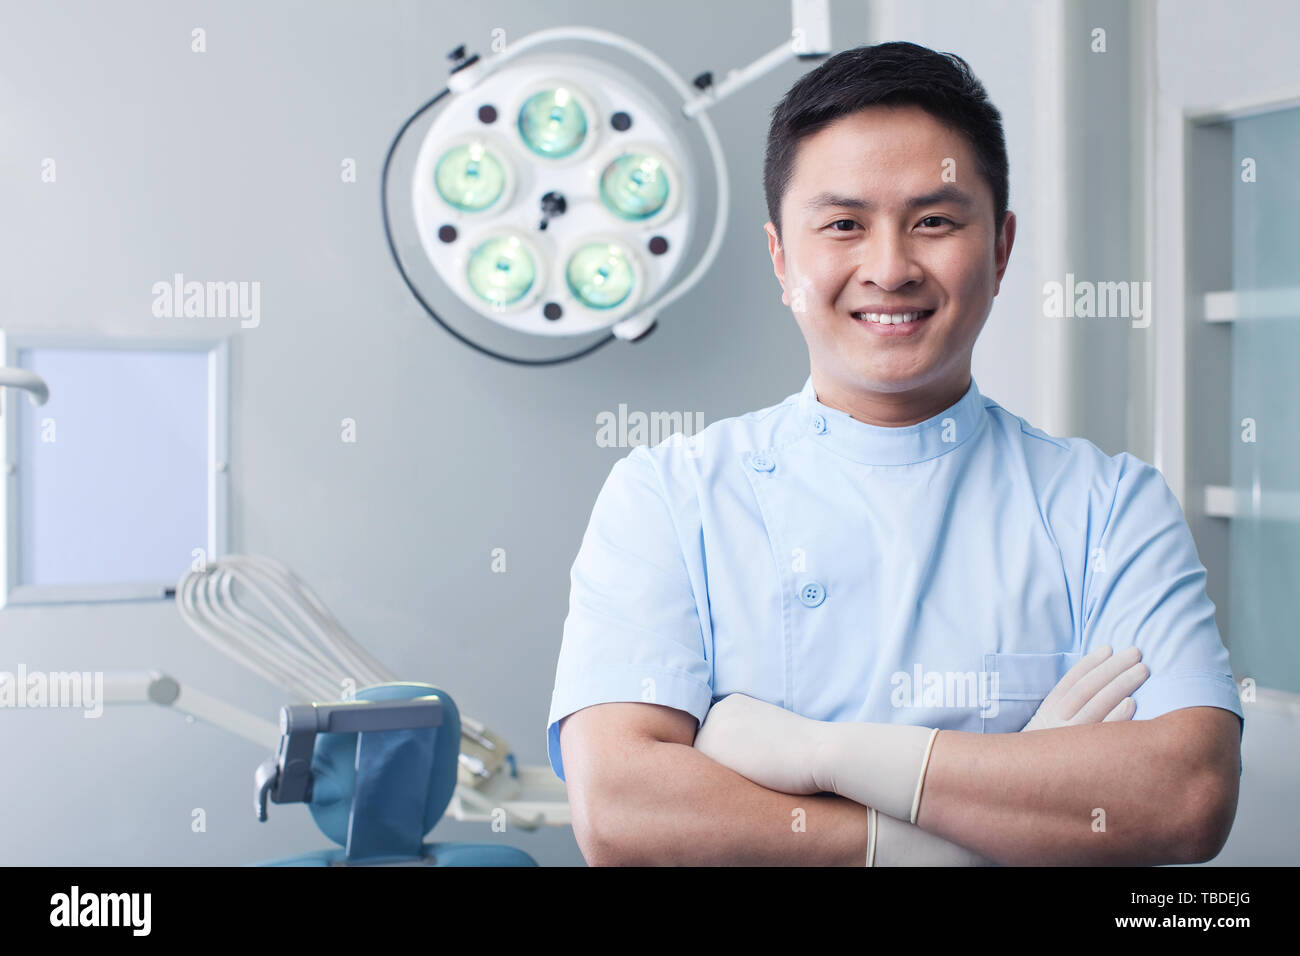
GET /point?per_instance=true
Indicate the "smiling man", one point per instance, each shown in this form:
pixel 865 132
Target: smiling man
pixel 817 635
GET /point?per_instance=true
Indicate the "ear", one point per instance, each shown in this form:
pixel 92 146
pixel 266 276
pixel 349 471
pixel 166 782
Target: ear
pixel 778 259
pixel 1002 254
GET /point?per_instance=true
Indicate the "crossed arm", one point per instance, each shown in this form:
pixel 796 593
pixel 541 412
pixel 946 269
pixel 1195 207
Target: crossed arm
pixel 1166 790
pixel 641 794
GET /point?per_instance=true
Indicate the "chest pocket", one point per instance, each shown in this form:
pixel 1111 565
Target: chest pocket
pixel 1020 684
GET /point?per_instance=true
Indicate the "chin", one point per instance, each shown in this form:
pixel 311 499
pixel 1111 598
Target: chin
pixel 886 378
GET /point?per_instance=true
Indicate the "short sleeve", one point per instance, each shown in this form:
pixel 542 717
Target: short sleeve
pixel 1145 585
pixel 633 629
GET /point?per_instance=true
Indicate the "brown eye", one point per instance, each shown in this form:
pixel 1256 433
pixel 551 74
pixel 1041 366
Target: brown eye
pixel 938 220
pixel 838 221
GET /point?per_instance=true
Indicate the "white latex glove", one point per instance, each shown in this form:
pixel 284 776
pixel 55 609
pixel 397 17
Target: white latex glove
pixel 878 765
pixel 1094 690
pixel 892 842
pixel 882 766
pixel 770 745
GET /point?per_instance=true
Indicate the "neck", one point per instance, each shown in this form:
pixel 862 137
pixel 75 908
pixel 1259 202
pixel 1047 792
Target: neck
pixel 891 409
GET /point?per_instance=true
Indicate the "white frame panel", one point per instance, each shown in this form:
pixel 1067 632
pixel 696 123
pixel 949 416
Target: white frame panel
pixel 218 440
pixel 1169 366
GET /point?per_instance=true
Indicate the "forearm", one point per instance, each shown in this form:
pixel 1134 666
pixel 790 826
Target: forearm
pixel 667 804
pixel 1095 794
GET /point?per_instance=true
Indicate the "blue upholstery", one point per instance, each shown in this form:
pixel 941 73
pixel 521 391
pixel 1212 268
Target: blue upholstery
pixel 334 792
pixel 435 854
pixel 334 764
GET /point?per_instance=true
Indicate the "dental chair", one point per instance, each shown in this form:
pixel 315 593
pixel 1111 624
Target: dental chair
pixel 377 774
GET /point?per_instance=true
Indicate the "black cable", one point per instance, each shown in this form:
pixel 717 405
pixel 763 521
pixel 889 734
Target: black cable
pixel 397 260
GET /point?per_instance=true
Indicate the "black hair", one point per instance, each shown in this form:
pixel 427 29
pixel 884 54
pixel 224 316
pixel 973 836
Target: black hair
pixel 890 74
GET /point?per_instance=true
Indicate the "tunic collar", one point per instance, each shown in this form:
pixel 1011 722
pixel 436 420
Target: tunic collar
pixel 882 445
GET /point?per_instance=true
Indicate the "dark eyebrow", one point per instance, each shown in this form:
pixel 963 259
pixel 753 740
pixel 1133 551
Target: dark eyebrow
pixel 948 194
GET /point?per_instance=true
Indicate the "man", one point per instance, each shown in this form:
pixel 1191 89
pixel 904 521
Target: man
pixel 884 578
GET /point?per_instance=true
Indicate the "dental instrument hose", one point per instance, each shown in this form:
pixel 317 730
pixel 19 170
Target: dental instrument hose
pixel 297 644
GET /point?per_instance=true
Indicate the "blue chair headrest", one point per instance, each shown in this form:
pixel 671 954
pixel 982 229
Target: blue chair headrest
pixel 334 768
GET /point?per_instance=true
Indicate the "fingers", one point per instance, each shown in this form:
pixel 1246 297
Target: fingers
pixel 1124 710
pixel 1094 683
pixel 1081 669
pixel 1113 694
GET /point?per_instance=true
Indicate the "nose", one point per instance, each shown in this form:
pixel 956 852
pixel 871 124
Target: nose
pixel 887 262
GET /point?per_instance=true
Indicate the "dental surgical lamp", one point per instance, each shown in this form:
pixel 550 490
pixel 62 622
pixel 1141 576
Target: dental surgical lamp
pixel 555 197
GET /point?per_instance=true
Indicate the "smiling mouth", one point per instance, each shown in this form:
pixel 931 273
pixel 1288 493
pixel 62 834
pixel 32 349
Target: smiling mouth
pixel 898 318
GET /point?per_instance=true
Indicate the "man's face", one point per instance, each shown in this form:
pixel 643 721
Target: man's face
pixel 840 256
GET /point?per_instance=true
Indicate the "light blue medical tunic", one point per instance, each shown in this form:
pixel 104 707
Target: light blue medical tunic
pixel 946 574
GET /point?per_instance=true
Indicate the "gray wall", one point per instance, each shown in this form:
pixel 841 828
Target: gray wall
pixel 996 39
pixel 1211 57
pixel 225 165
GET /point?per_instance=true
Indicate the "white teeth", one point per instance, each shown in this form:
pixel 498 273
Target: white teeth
pixel 880 319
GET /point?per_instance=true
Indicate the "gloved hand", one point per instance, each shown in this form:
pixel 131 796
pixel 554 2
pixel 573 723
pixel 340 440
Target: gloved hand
pixel 1094 690
pixel 892 842
pixel 884 765
pixel 1097 684
pixel 878 765
pixel 770 745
